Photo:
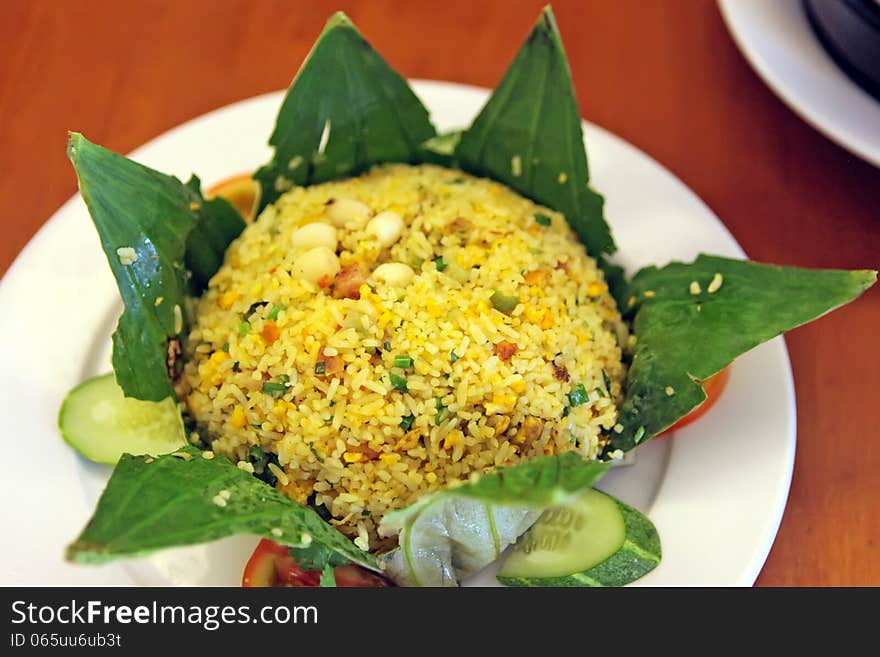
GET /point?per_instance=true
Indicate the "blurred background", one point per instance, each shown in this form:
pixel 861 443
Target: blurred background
pixel 665 75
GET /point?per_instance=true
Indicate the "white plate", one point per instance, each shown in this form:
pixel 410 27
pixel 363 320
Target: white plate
pixel 777 40
pixel 716 491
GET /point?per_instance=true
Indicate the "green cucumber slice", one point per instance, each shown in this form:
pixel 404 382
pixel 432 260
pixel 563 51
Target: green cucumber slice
pixel 595 540
pixel 102 424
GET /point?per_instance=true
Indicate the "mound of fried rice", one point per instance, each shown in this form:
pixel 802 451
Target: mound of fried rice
pixel 491 340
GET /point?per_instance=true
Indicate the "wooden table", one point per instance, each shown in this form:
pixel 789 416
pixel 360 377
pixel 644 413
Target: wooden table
pixel 662 74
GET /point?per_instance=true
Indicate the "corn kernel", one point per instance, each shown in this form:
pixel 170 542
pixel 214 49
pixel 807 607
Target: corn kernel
pixel 548 320
pixel 390 459
pixel 534 315
pixel 500 399
pixel 453 439
pixel 227 299
pixel 353 457
pixel 595 289
pixel 238 419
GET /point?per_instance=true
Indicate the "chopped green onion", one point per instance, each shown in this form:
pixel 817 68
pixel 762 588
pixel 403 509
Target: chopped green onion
pixel 453 356
pixel 258 427
pixel 274 388
pixel 504 303
pixel 566 411
pixel 456 181
pixel 387 346
pixel 243 329
pixel 399 382
pixel 315 453
pixel 403 361
pixel 441 263
pixel 407 422
pixel 542 219
pixel 441 413
pixel 607 380
pixel 578 395
pixel 284 379
pixel 226 347
pixel 321 368
pixel 273 314
pixel 600 392
pixel 639 435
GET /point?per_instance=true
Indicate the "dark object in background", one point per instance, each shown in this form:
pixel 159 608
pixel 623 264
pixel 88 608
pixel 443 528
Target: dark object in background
pixel 850 32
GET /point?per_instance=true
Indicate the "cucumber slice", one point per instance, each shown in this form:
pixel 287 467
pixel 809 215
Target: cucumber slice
pixel 100 423
pixel 595 540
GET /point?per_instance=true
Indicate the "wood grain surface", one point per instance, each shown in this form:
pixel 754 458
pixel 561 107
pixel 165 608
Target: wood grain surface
pixel 662 74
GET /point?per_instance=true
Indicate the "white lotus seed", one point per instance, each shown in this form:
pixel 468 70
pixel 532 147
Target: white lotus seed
pixel 347 212
pixel 386 227
pixel 315 264
pixel 395 274
pixel 312 235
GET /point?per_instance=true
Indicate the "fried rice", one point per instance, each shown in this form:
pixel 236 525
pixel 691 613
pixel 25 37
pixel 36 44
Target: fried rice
pixel 387 335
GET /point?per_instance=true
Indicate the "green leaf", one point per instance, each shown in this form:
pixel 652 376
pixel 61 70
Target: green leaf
pixel 529 137
pixel 134 207
pixel 451 534
pixel 345 111
pixel 217 223
pixel 184 499
pixel 685 337
pixel 615 277
pixel 328 579
pixel 151 227
pixel 318 556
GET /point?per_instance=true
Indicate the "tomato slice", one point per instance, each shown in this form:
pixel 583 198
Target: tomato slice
pixel 713 387
pixel 272 566
pixel 240 190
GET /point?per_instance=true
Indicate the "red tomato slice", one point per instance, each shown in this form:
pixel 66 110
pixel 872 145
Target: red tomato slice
pixel 713 387
pixel 272 566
